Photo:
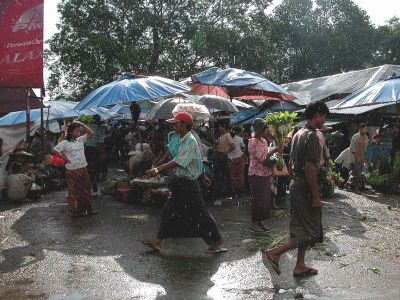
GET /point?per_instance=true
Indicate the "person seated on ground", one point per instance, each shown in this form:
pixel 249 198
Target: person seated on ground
pixel 18 185
pixel 22 157
pixel 139 162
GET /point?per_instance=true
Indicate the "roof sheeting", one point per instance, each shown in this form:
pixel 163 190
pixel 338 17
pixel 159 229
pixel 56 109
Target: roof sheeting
pixel 14 99
pixel 321 88
pixel 357 110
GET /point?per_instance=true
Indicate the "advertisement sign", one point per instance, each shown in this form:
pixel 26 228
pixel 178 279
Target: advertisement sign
pixel 21 43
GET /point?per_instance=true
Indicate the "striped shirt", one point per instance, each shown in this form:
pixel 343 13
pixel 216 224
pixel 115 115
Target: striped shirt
pixel 189 160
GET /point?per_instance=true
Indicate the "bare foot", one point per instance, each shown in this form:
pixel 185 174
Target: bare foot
pixel 273 260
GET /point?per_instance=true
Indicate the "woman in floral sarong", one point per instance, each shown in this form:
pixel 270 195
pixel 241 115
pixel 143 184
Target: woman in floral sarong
pixel 78 181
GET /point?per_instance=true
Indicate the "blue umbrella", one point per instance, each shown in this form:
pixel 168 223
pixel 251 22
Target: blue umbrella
pixel 247 116
pixel 242 84
pixel 19 117
pixel 123 111
pixel 60 109
pixel 132 89
pixel 381 92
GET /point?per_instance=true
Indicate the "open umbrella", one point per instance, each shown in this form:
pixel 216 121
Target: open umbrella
pixel 19 117
pixel 197 111
pixel 216 103
pixel 124 111
pixel 53 110
pixel 131 89
pixel 382 92
pixel 240 105
pixel 163 109
pixel 60 109
pixel 242 84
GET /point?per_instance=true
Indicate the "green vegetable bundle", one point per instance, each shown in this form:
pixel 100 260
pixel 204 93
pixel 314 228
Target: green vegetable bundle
pixel 280 124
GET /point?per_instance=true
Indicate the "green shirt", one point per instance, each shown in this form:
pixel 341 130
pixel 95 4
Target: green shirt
pixel 189 160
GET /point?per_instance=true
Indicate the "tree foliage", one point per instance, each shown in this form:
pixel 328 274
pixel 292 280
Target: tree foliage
pixel 99 39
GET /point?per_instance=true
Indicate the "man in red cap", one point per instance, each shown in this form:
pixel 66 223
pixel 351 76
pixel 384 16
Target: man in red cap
pixel 185 214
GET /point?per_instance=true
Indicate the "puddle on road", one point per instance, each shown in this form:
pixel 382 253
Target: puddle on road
pixel 237 280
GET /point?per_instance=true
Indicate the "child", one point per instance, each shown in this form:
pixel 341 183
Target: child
pixel 18 185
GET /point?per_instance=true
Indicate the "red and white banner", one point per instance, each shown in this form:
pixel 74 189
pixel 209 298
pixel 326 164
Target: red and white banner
pixel 21 43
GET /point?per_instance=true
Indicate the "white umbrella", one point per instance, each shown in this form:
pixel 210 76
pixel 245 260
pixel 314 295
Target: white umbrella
pixel 218 103
pixel 163 109
pixel 197 111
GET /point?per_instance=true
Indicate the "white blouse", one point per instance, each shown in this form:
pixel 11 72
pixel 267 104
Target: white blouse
pixel 74 151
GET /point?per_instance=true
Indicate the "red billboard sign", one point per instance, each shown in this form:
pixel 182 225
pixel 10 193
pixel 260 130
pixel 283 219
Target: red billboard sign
pixel 21 43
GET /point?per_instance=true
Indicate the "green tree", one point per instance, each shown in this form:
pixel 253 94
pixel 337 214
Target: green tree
pixel 173 38
pixel 388 43
pixel 322 37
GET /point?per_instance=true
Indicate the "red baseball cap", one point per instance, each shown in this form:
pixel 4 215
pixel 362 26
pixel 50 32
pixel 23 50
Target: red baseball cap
pixel 182 116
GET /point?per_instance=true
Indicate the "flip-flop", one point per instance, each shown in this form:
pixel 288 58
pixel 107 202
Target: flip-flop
pixel 215 250
pixel 150 245
pixel 273 264
pixel 308 272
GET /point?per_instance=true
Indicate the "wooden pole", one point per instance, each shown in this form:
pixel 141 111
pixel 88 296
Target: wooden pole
pixel 28 116
pixel 41 110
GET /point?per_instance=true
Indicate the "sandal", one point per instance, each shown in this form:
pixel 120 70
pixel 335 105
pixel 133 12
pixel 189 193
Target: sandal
pixel 307 272
pixel 215 250
pixel 149 244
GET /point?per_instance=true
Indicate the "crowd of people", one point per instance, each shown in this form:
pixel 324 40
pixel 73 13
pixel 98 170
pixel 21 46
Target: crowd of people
pixel 212 164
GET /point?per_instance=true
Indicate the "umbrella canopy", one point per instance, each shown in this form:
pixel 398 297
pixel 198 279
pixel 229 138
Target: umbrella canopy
pixel 103 112
pixel 125 112
pixel 19 117
pixel 381 92
pixel 247 116
pixel 240 105
pixel 53 110
pixel 242 84
pixel 60 109
pixel 197 111
pixel 163 109
pixel 216 103
pixel 131 89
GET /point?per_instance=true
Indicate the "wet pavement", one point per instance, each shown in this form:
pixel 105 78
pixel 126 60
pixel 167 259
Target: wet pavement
pixel 47 255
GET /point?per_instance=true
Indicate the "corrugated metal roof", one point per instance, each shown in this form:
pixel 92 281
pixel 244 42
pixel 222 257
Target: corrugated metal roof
pixel 357 110
pixel 321 88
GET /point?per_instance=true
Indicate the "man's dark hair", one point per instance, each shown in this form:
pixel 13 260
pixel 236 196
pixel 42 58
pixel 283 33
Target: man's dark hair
pixel 224 125
pixel 363 125
pixel 316 107
pixel 188 126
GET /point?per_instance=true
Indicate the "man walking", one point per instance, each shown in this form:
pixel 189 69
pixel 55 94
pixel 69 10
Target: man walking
pixel 358 145
pixel 305 202
pixel 185 214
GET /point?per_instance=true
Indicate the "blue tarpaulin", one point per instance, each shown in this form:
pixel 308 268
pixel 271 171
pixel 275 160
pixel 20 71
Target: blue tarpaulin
pixel 381 92
pixel 132 89
pixel 240 83
pixel 247 116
